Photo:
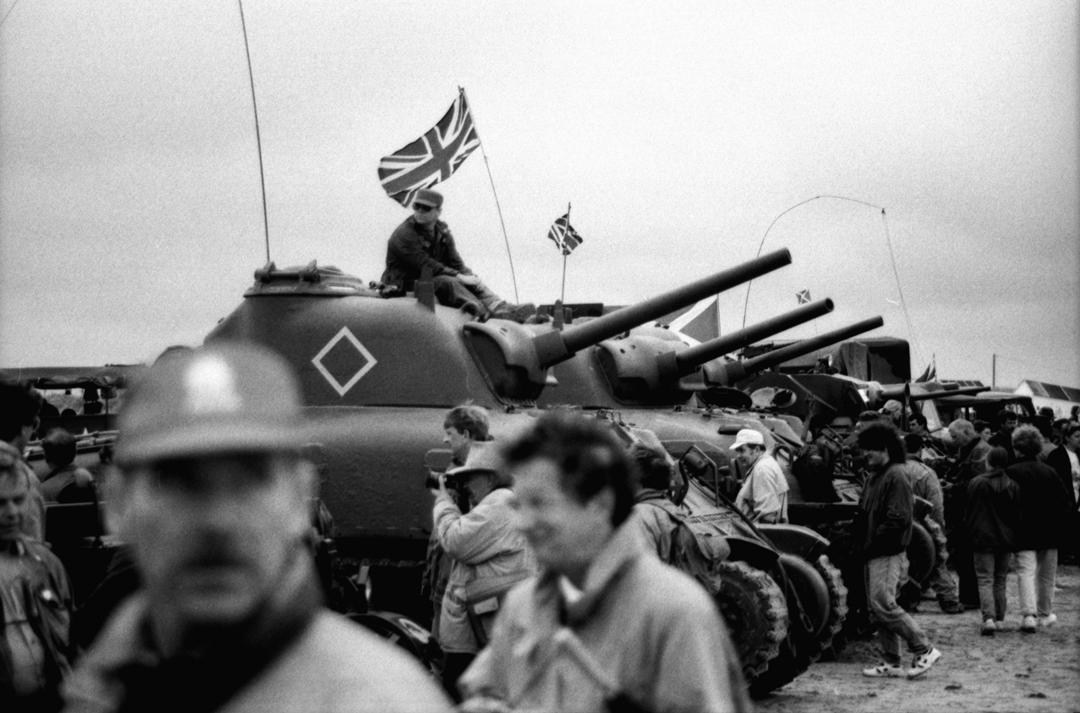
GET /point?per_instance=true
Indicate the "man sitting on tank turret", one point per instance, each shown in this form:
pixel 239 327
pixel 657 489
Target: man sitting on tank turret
pixel 423 240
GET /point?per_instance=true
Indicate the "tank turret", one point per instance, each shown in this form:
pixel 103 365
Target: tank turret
pixel 649 369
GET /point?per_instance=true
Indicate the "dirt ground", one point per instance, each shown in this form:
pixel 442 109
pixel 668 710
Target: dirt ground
pixel 1010 672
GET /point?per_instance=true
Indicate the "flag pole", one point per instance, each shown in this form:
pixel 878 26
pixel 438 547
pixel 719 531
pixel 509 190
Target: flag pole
pixel 565 254
pixel 498 208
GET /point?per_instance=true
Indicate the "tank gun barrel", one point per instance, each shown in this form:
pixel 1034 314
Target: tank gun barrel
pixel 930 395
pixel 779 356
pixel 689 359
pixel 556 346
pixel 736 371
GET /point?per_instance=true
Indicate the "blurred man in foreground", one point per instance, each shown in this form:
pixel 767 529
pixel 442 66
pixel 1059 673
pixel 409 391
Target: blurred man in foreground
pixel 605 623
pixel 216 505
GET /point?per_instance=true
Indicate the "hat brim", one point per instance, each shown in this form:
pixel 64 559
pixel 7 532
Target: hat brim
pixel 421 201
pixel 739 444
pixel 466 472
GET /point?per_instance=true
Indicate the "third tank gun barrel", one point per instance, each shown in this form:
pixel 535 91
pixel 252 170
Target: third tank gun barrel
pixel 791 351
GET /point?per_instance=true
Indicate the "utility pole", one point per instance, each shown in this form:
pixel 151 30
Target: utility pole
pixel 993 372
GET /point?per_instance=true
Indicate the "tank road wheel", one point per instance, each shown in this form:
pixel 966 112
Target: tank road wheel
pixel 921 554
pixel 754 610
pixel 805 641
pixel 832 637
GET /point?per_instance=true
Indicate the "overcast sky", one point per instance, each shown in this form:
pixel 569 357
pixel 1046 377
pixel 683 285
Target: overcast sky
pixel 131 215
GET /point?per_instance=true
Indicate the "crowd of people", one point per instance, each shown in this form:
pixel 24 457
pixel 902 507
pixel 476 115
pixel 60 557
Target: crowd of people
pixel 559 570
pixel 549 598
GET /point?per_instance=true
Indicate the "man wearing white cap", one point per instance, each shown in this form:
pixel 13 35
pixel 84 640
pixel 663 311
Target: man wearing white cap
pixel 215 502
pixel 763 496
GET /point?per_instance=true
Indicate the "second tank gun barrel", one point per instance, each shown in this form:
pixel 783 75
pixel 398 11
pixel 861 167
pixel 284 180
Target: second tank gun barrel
pixel 556 346
pixel 727 374
pixel 791 351
pixel 689 359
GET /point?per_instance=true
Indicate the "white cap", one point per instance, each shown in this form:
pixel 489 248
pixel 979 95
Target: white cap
pixel 748 437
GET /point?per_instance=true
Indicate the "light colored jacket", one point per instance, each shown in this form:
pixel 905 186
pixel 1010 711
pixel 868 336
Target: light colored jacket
pixel 334 666
pixel 763 496
pixel 649 630
pixel 483 544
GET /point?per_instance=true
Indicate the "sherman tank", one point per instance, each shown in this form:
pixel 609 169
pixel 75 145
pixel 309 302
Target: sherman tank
pixel 381 373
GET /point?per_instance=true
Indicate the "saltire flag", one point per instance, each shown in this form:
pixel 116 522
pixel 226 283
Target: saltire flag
pixel 697 323
pixel 930 373
pixel 431 158
pixel 563 235
pixel 803 296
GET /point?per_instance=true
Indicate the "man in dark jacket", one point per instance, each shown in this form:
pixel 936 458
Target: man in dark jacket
pixel 887 507
pixel 970 462
pixel 424 241
pixel 1043 516
pixel 1007 421
pixel 1065 460
pixel 992 521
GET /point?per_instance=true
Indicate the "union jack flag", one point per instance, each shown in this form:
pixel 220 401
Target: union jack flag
pixel 563 235
pixel 431 158
pixel 803 296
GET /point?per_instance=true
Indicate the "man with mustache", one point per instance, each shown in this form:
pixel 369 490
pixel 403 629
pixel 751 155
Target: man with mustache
pixel 215 503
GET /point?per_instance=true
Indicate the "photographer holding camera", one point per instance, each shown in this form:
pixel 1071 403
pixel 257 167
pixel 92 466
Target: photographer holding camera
pixel 488 554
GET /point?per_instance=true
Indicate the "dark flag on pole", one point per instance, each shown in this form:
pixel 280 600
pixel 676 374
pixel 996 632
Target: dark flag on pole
pixel 563 235
pixel 803 296
pixel 431 158
pixel 930 373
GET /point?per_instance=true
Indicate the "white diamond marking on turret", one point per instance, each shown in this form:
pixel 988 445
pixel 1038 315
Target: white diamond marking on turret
pixel 368 363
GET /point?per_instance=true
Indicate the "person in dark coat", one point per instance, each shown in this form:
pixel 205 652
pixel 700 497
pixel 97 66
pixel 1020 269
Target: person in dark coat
pixel 970 462
pixel 1002 438
pixel 1043 516
pixel 886 508
pixel 1065 460
pixel 992 520
pixel 423 241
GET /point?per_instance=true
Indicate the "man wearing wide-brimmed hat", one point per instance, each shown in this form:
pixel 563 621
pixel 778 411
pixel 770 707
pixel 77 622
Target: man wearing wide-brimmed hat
pixel 424 241
pixel 483 544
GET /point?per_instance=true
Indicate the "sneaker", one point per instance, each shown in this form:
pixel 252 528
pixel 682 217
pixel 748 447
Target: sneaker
pixel 988 627
pixel 951 607
pixel 922 663
pixel 883 670
pixel 1048 620
pixel 1028 625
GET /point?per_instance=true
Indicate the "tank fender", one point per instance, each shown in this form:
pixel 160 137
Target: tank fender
pixel 755 554
pixel 796 540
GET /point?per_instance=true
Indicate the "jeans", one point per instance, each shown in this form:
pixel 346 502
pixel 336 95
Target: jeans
pixel 883 577
pixel 941 578
pixel 991 570
pixel 452 292
pixel 1037 571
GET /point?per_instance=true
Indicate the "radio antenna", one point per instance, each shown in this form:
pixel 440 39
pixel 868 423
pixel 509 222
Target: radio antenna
pixel 258 137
